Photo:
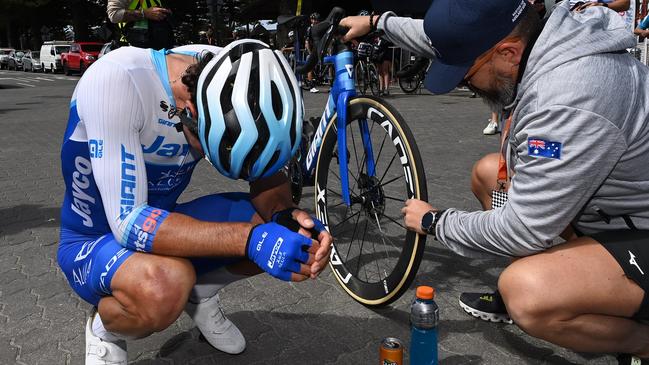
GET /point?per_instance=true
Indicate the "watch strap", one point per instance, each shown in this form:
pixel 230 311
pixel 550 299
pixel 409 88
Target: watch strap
pixel 438 216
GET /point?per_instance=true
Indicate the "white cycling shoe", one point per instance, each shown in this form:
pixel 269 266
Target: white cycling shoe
pixel 219 331
pixel 101 352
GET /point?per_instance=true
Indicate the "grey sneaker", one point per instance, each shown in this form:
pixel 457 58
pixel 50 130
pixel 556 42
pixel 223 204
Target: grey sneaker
pixel 102 352
pixel 219 331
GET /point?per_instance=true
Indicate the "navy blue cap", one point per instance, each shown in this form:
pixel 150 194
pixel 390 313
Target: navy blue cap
pixel 462 30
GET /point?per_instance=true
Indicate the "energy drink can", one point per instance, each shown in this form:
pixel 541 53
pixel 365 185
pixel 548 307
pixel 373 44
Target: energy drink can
pixel 391 351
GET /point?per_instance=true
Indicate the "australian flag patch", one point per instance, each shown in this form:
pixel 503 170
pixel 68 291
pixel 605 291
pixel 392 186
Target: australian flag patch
pixel 542 148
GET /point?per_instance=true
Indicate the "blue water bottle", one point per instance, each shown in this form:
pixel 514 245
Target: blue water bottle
pixel 424 316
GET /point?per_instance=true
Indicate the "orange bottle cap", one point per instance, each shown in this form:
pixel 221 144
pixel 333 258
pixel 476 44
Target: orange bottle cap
pixel 425 292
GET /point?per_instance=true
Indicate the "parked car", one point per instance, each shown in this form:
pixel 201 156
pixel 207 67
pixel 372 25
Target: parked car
pixel 4 57
pixel 32 61
pixel 51 55
pixel 15 60
pixel 80 56
pixel 105 49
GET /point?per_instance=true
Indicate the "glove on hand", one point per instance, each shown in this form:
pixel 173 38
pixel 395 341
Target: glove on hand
pixel 285 218
pixel 277 250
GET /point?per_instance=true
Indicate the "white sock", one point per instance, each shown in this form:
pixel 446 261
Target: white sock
pixel 100 331
pixel 209 284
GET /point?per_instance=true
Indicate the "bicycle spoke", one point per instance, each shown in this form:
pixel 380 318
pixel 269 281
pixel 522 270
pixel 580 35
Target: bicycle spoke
pixel 393 220
pixel 362 244
pixel 380 150
pixel 351 192
pixel 388 168
pixel 388 238
pixel 352 241
pixel 358 174
pixel 391 181
pixel 336 205
pixel 392 198
pixel 361 166
pixel 346 219
pixel 387 257
pixel 335 192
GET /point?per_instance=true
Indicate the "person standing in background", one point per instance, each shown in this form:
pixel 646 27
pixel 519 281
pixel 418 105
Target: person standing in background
pixel 143 24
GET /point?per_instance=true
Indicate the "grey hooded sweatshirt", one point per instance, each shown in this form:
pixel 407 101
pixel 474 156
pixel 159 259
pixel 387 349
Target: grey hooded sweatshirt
pixel 583 102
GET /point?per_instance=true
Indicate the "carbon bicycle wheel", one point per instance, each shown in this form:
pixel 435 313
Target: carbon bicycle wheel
pixel 373 79
pixel 374 257
pixel 409 84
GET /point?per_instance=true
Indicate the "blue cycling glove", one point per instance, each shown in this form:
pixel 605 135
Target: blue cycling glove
pixel 285 218
pixel 277 250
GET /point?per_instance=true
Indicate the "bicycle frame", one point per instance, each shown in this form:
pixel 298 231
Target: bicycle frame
pixel 342 91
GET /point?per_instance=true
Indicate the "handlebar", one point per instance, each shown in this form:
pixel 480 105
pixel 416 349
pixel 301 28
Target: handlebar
pixel 322 34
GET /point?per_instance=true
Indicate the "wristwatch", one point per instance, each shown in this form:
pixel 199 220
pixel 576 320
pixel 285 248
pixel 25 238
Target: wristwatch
pixel 429 221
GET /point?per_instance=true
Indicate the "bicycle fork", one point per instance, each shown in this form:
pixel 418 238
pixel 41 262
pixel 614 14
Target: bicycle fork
pixel 345 89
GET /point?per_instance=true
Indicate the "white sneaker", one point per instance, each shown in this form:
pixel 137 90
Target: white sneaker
pixel 314 90
pixel 101 352
pixel 491 128
pixel 219 331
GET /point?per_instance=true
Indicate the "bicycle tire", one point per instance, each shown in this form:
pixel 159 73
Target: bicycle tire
pixel 361 77
pixel 373 79
pixel 389 288
pixel 409 84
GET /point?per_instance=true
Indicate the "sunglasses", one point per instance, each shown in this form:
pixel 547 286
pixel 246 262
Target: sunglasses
pixel 186 118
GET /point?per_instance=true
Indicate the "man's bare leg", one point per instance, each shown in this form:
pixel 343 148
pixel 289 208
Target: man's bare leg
pixel 576 296
pixel 484 177
pixel 149 293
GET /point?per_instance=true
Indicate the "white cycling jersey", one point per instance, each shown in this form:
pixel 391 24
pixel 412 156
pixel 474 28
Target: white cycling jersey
pixel 121 153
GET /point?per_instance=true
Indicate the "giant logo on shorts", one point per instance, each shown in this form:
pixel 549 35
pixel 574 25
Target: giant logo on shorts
pixel 108 267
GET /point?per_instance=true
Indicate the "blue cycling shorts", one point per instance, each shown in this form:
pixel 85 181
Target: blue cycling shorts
pixel 90 262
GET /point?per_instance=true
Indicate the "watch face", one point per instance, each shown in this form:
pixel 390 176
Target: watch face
pixel 427 221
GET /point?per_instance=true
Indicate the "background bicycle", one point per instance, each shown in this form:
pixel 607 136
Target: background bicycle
pixel 367 76
pixel 412 75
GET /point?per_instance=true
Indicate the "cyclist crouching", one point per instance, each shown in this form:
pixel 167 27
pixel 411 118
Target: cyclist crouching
pixel 140 121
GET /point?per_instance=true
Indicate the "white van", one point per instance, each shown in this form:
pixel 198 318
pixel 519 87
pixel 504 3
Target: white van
pixel 51 55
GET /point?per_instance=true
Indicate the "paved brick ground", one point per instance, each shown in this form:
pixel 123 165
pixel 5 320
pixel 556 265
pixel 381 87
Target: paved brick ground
pixel 41 319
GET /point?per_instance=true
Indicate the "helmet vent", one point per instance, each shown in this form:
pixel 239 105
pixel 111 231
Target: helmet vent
pixel 236 52
pixel 296 103
pixel 277 100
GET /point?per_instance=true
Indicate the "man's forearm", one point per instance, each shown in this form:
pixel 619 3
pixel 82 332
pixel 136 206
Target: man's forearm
pixel 271 195
pixel 117 14
pixel 619 5
pixel 133 15
pixel 407 33
pixel 183 236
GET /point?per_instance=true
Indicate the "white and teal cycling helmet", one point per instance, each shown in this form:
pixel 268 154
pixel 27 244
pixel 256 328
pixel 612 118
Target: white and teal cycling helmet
pixel 250 111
